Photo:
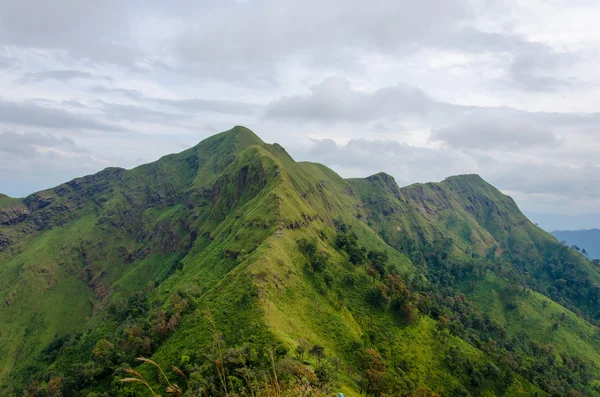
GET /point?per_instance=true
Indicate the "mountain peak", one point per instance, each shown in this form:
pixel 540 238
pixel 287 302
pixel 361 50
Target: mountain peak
pixel 233 140
pixel 242 133
pixel 383 177
pixel 473 178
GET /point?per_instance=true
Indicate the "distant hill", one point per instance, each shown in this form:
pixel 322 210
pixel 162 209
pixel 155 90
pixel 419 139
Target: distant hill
pixel 256 275
pixel 584 239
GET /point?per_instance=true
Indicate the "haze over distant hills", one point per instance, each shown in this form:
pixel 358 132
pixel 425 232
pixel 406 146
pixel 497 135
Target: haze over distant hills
pixel 552 222
pixel 584 239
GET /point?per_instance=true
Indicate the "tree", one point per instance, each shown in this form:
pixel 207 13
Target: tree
pixel 174 321
pixel 373 369
pixel 33 390
pixel 316 260
pixel 409 314
pixel 379 261
pixel 55 387
pixel 372 272
pixel 302 348
pixel 104 352
pixel 308 248
pixel 398 291
pixel 318 352
pixel 357 255
pixel 160 324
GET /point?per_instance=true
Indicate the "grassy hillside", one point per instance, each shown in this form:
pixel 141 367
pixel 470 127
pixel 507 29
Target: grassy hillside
pixel 256 274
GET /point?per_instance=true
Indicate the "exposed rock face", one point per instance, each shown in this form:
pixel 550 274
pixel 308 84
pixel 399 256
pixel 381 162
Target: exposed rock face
pixel 13 213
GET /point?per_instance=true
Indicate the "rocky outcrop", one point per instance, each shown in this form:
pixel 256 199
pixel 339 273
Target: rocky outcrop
pixel 13 213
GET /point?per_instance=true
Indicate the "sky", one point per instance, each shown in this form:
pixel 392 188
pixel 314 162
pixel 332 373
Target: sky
pixel 421 90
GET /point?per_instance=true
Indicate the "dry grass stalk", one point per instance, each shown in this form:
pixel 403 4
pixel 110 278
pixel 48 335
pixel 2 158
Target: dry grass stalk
pixel 146 360
pixel 139 379
pixel 181 373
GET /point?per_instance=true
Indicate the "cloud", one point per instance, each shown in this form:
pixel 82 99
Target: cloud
pixel 78 27
pixel 7 62
pixel 535 72
pixel 206 105
pixel 30 114
pixel 257 41
pixel 191 105
pixel 32 159
pixel 129 93
pixel 497 128
pixel 134 113
pixel 381 25
pixel 334 100
pixel 531 177
pixel 407 163
pixel 26 145
pixel 61 75
pixel 527 65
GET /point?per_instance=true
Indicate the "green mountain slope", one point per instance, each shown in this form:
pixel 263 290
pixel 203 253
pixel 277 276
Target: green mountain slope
pixel 224 258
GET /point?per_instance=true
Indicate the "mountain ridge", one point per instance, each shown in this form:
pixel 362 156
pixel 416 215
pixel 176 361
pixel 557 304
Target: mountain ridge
pixel 277 251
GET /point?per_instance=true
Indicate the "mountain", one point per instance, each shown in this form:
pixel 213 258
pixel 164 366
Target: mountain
pixel 258 275
pixel 588 240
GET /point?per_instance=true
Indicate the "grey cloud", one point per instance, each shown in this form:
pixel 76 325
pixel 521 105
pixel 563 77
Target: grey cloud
pixel 470 39
pixel 408 164
pixel 132 94
pixel 133 113
pixel 259 36
pixel 497 128
pixel 119 112
pixel 249 41
pixel 532 72
pixel 207 105
pixel 334 100
pixel 73 104
pixel 31 114
pixel 24 144
pixel 7 62
pixel 193 105
pixel 61 75
pixel 79 27
pixel 530 66
pixel 546 178
pixel 464 127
